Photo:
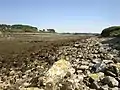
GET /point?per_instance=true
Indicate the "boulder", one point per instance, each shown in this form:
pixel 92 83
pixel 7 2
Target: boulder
pixel 56 73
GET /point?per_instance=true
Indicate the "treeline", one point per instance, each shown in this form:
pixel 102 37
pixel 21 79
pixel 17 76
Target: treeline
pixel 48 31
pixel 22 28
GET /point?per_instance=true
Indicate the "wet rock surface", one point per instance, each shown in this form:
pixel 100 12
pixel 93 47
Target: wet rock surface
pixel 87 64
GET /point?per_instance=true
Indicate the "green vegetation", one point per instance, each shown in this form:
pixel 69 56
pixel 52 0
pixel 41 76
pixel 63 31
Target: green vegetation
pixel 111 31
pixel 17 28
pixel 22 28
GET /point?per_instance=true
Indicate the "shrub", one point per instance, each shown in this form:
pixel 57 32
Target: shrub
pixel 111 31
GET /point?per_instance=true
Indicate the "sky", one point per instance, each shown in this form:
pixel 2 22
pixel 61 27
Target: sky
pixel 83 16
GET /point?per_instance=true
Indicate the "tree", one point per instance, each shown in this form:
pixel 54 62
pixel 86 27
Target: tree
pixel 51 30
pixel 43 30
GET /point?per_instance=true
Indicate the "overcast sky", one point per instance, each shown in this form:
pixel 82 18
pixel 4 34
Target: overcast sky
pixel 62 15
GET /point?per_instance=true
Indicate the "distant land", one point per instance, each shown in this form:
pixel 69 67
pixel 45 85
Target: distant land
pixel 20 28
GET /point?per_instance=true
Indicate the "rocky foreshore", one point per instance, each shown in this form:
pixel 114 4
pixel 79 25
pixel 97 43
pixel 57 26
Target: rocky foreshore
pixel 89 64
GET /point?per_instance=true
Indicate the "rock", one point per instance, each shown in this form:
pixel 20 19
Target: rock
pixel 96 76
pixel 72 70
pixel 3 70
pixel 91 64
pixel 79 71
pixel 109 73
pixel 85 63
pixel 95 85
pixel 117 59
pixel 102 50
pixel 115 88
pixel 87 72
pixel 12 72
pixel 82 67
pixel 26 84
pixel 99 67
pixel 110 56
pixel 95 61
pixel 77 45
pixel 56 73
pixel 24 76
pixel 112 70
pixel 80 77
pixel 112 82
pixel 31 88
pixel 117 65
pixel 105 87
pixel 77 60
pixel 108 61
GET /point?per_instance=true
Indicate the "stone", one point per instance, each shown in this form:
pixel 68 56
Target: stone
pixel 115 88
pixel 105 87
pixel 91 64
pixel 56 73
pixel 80 77
pixel 99 67
pixel 24 76
pixel 26 84
pixel 95 85
pixel 96 76
pixel 77 45
pixel 95 61
pixel 31 88
pixel 72 70
pixel 109 73
pixel 112 82
pixel 12 72
pixel 82 67
pixel 88 72
pixel 79 71
pixel 110 56
pixel 117 59
pixel 85 63
pixel 117 65
pixel 108 61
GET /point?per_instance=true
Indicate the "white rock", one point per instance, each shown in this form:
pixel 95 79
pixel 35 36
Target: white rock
pixel 12 72
pixel 31 88
pixel 26 84
pixel 83 67
pixel 84 62
pixel 79 71
pixel 80 77
pixel 72 70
